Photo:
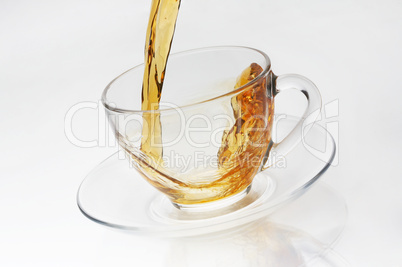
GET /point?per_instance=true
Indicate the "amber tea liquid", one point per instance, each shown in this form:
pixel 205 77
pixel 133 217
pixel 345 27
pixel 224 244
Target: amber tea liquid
pixel 161 26
pixel 243 142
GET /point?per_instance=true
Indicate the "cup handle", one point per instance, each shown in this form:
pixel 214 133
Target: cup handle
pixel 310 91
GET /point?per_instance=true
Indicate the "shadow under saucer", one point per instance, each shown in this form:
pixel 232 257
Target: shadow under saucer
pixel 299 234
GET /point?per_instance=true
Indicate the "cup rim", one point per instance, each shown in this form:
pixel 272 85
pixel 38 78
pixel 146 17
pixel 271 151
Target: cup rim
pixel 266 69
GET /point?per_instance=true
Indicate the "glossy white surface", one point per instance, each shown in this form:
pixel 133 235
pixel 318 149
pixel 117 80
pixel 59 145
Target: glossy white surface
pixel 55 54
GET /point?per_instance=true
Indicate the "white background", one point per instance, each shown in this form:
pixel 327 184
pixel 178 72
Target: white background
pixel 54 54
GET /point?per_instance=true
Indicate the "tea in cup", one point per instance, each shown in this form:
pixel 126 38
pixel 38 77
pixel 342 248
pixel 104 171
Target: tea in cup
pixel 212 131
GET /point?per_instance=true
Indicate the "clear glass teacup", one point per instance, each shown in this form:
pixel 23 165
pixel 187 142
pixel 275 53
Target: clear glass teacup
pixel 210 135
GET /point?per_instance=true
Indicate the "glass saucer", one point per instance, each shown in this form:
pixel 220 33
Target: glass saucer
pixel 115 195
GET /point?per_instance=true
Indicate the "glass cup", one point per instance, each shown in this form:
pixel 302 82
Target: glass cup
pixel 209 137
